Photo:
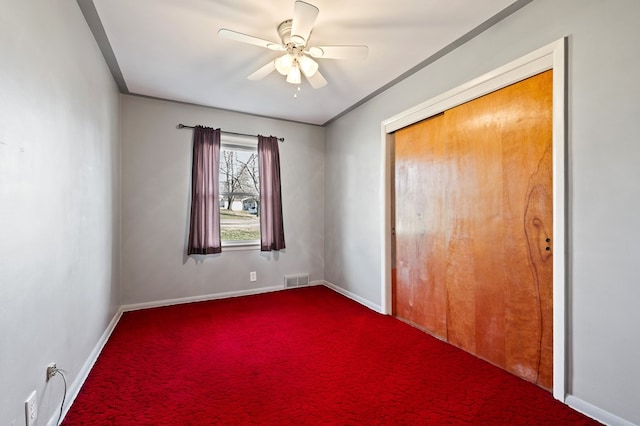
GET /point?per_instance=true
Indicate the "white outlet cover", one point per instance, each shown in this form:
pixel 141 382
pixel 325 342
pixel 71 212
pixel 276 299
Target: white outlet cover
pixel 31 409
pixel 252 276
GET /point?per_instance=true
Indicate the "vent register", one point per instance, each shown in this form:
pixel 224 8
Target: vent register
pixel 299 280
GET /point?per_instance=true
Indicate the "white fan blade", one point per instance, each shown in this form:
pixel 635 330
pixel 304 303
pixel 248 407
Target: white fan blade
pixel 339 52
pixel 245 38
pixel 304 16
pixel 317 80
pixel 263 72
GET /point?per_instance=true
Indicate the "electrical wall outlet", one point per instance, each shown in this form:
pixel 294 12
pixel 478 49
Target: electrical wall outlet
pixel 31 409
pixel 52 369
pixel 253 276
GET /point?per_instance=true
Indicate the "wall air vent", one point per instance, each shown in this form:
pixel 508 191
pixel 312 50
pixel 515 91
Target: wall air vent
pixel 299 280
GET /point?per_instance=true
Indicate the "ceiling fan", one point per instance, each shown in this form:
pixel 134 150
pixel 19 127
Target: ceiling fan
pixel 300 56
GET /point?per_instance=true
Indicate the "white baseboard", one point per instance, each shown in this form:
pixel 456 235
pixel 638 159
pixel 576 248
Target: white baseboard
pixel 74 388
pixel 595 412
pixel 203 298
pixel 369 304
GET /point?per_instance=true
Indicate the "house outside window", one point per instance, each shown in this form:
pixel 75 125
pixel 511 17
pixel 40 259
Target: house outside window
pixel 239 192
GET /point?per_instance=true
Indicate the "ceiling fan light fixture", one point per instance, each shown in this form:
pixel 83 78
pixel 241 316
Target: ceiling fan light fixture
pixel 294 75
pixel 297 58
pixel 284 64
pixel 308 66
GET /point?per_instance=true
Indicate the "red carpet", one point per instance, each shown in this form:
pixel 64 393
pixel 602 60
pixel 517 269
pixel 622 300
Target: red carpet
pixel 303 356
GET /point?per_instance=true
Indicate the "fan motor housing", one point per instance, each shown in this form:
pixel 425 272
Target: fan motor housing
pixel 284 31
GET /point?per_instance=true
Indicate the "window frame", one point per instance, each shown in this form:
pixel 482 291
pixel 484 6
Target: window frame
pixel 247 144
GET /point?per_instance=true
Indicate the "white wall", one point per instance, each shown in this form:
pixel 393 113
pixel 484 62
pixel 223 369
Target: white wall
pixel 603 173
pixel 156 181
pixel 59 184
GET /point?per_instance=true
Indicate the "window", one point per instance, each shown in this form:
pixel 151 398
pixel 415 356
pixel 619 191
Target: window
pixel 227 184
pixel 239 192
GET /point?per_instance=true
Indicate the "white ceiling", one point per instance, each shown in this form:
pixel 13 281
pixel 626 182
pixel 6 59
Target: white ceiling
pixel 170 49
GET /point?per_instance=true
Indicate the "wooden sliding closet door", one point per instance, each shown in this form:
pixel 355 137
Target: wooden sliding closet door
pixel 473 225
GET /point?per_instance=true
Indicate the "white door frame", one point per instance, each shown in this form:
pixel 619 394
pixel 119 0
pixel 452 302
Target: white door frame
pixel 548 57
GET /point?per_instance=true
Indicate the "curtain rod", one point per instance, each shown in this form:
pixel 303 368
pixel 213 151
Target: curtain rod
pixel 182 126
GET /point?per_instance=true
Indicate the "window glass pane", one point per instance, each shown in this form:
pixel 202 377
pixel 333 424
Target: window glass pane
pixel 239 194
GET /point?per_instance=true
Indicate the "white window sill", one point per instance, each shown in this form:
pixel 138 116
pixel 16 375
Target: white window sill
pixel 241 245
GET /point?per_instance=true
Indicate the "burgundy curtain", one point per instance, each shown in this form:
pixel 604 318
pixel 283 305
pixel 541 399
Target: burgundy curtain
pixel 204 226
pixel 271 223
